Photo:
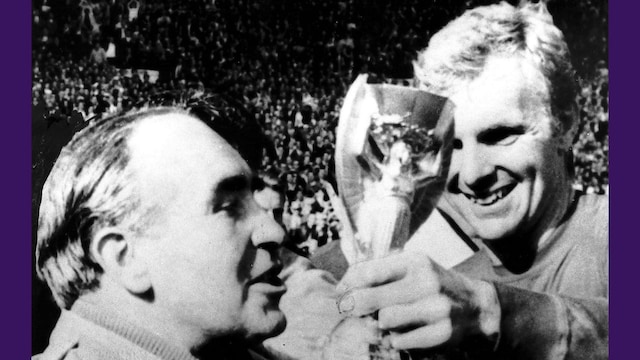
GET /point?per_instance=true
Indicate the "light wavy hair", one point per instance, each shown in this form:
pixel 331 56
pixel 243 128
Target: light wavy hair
pixel 458 53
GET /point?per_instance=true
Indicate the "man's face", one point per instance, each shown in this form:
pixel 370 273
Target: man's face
pixel 506 168
pixel 211 251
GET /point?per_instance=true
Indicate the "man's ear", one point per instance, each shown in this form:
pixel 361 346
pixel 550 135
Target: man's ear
pixel 114 250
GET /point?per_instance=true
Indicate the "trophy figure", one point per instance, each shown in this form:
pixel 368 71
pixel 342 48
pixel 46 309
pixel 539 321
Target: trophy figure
pixel 393 149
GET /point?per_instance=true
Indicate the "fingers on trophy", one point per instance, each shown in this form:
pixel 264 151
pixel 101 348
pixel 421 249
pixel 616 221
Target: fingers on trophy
pixel 393 149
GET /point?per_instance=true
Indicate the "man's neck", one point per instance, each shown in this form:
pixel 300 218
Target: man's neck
pixel 518 252
pixel 96 310
pixel 142 313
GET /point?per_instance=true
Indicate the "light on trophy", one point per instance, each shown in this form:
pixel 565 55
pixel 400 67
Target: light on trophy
pixel 393 149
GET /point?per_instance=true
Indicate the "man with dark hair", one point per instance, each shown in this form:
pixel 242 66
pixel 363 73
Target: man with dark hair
pixel 151 242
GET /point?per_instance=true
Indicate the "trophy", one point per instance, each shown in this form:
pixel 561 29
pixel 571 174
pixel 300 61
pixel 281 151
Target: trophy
pixel 393 149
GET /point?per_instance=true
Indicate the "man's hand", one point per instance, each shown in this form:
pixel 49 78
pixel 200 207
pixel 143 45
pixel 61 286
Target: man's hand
pixel 420 303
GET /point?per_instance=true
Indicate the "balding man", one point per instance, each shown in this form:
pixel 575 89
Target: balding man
pixel 152 243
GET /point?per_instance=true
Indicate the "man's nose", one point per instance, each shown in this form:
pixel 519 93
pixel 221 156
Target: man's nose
pixel 472 165
pixel 267 231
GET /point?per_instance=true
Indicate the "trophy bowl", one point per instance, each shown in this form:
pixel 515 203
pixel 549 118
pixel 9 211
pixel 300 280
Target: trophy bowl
pixel 393 149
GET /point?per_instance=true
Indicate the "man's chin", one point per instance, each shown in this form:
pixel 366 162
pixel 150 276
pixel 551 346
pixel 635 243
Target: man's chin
pixel 492 231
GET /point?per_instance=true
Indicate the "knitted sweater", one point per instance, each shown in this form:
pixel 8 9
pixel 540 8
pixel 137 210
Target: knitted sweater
pixel 88 332
pixel 558 309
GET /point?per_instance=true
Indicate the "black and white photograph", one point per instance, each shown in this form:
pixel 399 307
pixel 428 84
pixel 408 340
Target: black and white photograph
pixel 319 180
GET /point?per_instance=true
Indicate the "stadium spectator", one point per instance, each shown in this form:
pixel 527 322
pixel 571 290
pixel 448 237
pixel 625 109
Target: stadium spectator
pixel 98 54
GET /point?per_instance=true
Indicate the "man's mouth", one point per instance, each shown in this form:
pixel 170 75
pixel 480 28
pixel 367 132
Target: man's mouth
pixel 490 198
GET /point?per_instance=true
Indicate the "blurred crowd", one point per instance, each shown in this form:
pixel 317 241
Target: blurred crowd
pixel 591 148
pixel 289 61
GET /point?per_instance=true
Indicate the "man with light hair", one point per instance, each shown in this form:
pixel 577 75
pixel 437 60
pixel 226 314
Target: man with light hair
pixel 536 286
pixel 152 243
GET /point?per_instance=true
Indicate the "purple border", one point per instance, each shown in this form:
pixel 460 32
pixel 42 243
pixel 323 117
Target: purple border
pixel 624 80
pixel 15 28
pixel 15 147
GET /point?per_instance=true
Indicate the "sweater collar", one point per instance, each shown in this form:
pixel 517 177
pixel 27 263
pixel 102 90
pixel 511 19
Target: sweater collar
pixel 133 333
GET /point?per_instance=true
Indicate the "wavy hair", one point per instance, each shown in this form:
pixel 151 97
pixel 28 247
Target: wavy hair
pixel 458 53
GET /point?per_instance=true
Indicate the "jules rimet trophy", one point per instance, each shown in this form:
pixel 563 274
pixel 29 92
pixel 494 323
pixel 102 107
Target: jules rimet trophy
pixel 393 149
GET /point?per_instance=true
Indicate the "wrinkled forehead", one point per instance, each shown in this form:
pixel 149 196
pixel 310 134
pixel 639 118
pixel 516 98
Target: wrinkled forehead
pixel 506 73
pixel 511 79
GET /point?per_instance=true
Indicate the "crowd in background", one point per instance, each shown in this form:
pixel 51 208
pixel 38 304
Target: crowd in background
pixel 591 148
pixel 289 61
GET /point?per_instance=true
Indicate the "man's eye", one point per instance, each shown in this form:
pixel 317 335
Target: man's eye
pixel 501 136
pixel 506 140
pixel 231 207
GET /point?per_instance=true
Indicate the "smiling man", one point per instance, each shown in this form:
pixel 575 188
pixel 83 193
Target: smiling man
pixel 510 176
pixel 153 245
pixel 537 286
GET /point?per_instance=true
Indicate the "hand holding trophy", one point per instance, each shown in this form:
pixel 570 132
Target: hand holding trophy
pixel 393 150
